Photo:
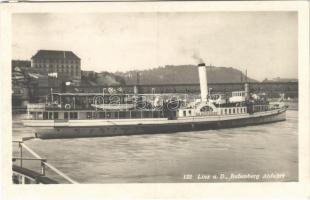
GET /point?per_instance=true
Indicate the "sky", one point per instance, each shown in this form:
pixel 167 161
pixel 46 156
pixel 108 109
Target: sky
pixel 264 43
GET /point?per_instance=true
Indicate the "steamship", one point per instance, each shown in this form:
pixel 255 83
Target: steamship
pixel 75 115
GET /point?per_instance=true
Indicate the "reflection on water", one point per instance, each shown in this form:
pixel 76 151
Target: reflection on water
pixel 254 150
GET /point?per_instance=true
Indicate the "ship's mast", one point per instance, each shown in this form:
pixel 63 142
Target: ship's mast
pixel 246 85
pixel 136 88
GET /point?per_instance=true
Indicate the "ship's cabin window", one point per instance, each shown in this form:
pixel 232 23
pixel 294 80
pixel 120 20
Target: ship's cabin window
pixel 137 114
pixel 73 115
pixel 122 114
pixel 88 115
pixel 147 114
pixel 94 115
pixel 225 111
pixel 156 114
pixel 66 116
pixel 115 115
pixel 55 115
pixel 133 114
pixel 190 112
pixel 229 111
pixel 45 116
pixel 233 110
pixel 108 115
pixel 184 113
pixel 50 115
pixel 206 109
pixel 140 114
pixel 101 115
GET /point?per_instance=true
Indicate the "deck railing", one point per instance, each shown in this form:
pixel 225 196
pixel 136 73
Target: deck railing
pixel 43 161
pixel 207 114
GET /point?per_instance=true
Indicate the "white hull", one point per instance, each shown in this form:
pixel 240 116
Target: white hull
pixel 48 129
pixel 145 121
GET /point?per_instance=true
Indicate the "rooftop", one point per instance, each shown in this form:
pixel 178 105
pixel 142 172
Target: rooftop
pixel 54 54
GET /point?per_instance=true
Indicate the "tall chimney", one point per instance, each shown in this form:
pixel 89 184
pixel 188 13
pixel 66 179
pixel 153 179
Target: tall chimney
pixel 203 80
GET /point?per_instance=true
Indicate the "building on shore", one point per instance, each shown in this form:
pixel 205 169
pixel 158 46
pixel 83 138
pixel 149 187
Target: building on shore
pixel 63 65
pixel 18 65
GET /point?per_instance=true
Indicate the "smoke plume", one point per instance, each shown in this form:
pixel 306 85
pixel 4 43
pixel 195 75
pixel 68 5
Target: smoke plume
pixel 196 56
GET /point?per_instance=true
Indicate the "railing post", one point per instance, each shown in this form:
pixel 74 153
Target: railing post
pixel 21 154
pixel 43 167
pixel 44 164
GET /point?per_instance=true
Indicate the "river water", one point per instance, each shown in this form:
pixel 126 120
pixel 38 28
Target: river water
pixel 255 153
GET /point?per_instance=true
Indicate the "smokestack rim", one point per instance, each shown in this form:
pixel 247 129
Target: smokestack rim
pixel 201 64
